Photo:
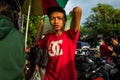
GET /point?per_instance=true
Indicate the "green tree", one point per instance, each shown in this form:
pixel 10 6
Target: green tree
pixel 34 24
pixel 104 19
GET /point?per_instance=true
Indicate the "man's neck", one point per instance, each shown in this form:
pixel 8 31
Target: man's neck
pixel 57 33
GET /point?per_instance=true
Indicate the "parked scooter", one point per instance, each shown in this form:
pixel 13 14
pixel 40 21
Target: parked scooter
pixel 113 68
pixel 90 67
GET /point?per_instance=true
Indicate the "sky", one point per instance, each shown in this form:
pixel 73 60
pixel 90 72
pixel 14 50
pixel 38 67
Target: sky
pixel 86 6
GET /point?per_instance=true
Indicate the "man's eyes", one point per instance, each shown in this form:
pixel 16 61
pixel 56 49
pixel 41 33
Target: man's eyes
pixel 59 18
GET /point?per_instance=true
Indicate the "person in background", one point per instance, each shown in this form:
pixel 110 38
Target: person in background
pixel 105 53
pixel 105 50
pixel 31 56
pixel 116 49
pixel 60 44
pixel 116 45
pixel 12 50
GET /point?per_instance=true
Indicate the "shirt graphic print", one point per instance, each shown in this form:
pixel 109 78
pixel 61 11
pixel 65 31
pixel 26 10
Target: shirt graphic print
pixel 55 49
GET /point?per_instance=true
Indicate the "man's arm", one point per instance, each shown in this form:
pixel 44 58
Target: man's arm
pixel 76 17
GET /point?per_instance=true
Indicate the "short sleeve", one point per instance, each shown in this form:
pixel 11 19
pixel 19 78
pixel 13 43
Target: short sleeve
pixel 73 35
pixel 42 43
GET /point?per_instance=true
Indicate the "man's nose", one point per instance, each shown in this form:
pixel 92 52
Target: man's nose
pixel 56 20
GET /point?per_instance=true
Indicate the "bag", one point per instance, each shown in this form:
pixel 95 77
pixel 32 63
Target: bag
pixel 41 58
pixel 36 76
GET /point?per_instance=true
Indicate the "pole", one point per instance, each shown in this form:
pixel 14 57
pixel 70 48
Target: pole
pixel 27 23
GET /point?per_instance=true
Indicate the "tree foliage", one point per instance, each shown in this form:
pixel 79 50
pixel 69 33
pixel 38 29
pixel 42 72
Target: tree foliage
pixel 34 24
pixel 104 19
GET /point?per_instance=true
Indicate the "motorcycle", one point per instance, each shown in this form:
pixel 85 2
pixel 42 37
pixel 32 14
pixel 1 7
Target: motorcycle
pixel 90 67
pixel 113 68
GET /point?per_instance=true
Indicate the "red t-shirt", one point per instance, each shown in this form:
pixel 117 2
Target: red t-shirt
pixel 61 51
pixel 104 50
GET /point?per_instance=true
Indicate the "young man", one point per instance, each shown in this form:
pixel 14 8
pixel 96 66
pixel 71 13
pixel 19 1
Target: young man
pixel 116 49
pixel 104 48
pixel 61 45
pixel 115 44
pixel 12 51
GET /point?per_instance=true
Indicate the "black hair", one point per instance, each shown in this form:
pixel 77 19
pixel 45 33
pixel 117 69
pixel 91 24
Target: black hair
pixel 5 9
pixel 112 37
pixel 52 9
pixel 101 38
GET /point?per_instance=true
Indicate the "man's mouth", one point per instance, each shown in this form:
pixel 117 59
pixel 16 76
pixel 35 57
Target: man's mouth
pixel 55 25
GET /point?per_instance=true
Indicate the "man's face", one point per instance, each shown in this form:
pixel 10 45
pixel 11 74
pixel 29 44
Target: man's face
pixel 57 20
pixel 114 42
pixel 101 41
